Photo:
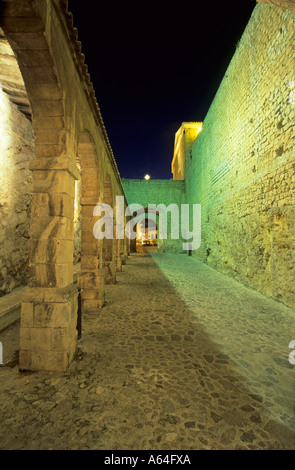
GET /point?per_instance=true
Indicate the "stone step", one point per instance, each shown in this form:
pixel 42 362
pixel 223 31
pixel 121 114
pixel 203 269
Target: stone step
pixel 10 304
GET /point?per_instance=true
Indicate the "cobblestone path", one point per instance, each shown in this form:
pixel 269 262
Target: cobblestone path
pixel 181 357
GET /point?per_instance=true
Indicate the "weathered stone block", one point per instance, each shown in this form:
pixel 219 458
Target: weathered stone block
pixel 89 262
pixel 51 275
pixel 87 212
pixel 59 228
pixel 51 251
pixel 92 304
pixel 44 92
pixel 90 249
pixel 46 108
pixel 48 294
pixel 89 294
pixel 59 339
pixel 88 237
pixel 91 198
pixel 110 271
pixel 38 339
pixel 51 343
pixel 22 9
pixel 53 181
pixel 48 122
pixel 64 274
pixel 28 41
pixel 46 360
pixel 90 279
pixel 35 58
pixel 40 73
pixel 119 265
pixel 27 315
pixel 53 204
pixel 51 315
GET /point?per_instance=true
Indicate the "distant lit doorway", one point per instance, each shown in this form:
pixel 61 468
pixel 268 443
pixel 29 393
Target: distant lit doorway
pixel 146 233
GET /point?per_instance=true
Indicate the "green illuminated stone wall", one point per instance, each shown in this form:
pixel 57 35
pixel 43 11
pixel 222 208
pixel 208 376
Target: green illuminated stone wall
pixel 140 191
pixel 242 168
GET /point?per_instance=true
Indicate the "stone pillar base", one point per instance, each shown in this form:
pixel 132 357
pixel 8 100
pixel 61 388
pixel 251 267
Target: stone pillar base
pixel 92 288
pixel 48 333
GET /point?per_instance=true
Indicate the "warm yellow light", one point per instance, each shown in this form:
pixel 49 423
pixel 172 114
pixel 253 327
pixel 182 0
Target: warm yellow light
pixel 193 132
pixel 77 208
pixel 147 177
pixel 7 167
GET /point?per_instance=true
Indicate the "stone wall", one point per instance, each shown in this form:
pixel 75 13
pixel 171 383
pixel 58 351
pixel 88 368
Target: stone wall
pixel 68 127
pixel 140 191
pixel 242 168
pixel 289 4
pixel 16 146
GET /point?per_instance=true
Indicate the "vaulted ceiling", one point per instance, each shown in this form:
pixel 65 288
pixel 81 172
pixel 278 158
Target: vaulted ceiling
pixel 288 4
pixel 11 78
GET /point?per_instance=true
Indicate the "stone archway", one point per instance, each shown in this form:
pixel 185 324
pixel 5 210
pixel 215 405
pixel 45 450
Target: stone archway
pixel 48 335
pixel 91 276
pixel 109 260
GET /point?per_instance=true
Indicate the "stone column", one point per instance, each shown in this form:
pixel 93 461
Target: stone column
pixel 109 262
pixel 119 245
pixel 131 242
pixel 48 334
pixel 91 278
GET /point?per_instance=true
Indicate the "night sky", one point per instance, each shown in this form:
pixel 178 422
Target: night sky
pixel 155 65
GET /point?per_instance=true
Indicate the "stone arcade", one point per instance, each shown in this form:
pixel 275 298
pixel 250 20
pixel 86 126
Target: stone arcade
pixel 44 75
pixel 56 156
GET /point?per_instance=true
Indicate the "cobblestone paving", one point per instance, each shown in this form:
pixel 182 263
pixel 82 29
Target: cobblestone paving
pixel 180 357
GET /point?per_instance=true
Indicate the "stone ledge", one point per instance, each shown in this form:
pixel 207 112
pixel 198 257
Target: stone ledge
pixel 10 307
pixel 10 304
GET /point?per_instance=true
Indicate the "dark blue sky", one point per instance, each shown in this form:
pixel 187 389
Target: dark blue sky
pixel 155 65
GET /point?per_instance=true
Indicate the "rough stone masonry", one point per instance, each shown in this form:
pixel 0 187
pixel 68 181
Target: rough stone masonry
pixel 56 156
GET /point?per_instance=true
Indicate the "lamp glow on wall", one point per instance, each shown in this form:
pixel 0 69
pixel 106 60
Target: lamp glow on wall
pixel 7 167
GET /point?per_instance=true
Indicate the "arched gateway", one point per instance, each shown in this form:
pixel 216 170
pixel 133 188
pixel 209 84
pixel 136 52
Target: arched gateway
pixel 66 123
